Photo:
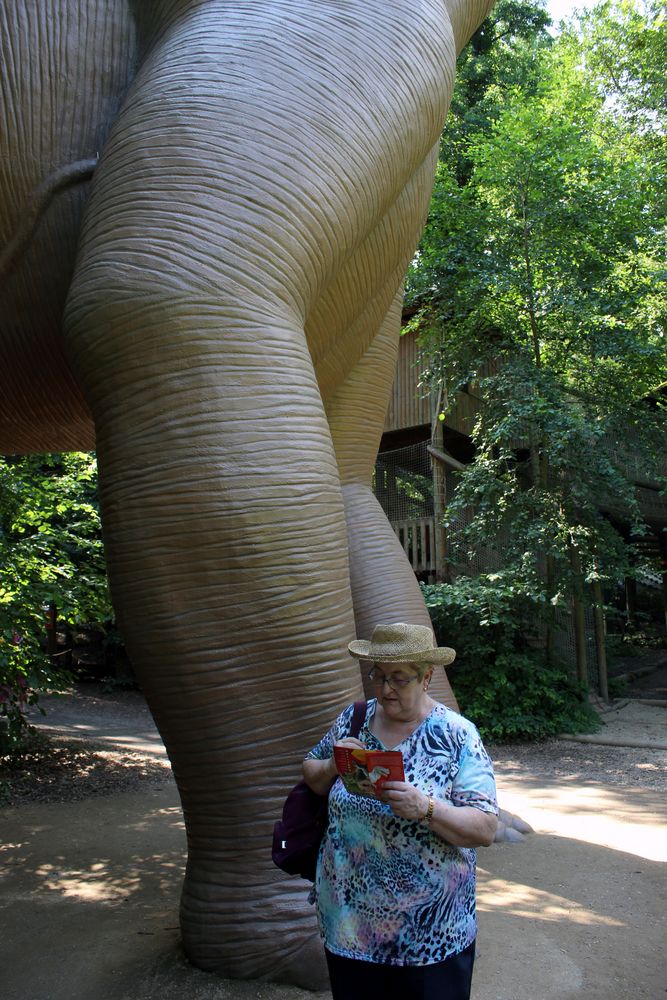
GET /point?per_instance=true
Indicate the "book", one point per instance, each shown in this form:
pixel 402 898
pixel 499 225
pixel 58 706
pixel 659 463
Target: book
pixel 363 772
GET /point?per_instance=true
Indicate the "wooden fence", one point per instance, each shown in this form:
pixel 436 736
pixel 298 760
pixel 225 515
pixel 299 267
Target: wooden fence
pixel 417 540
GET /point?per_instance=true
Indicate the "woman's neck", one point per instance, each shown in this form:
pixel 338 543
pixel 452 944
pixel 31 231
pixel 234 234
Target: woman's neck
pixel 394 727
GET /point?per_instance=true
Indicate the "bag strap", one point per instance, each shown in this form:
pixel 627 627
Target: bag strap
pixel 358 716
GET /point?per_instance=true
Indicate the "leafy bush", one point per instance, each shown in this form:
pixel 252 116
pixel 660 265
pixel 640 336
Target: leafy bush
pixel 520 697
pixel 24 671
pixel 50 553
pixel 489 614
pixel 503 683
pixel 618 687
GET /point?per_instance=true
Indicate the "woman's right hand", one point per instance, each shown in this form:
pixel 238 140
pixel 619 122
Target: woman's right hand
pixel 321 774
pixel 351 742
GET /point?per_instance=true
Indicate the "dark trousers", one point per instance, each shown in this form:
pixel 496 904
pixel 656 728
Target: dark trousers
pixel 448 980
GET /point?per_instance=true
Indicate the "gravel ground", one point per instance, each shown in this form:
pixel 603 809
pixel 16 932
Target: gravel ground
pixel 627 766
pixel 56 769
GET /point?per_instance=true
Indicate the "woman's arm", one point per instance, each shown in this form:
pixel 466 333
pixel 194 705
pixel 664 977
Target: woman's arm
pixel 462 826
pixel 319 775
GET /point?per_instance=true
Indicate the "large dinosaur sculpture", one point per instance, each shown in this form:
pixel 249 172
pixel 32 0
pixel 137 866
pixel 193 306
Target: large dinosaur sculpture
pixel 218 314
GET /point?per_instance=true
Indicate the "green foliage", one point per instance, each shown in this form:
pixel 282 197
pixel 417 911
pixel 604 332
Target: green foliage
pixel 635 644
pixel 626 47
pixel 617 687
pixel 502 55
pixel 50 553
pixel 520 697
pixel 491 614
pixel 541 279
pixel 504 686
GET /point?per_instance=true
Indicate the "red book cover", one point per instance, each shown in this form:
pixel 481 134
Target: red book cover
pixel 364 771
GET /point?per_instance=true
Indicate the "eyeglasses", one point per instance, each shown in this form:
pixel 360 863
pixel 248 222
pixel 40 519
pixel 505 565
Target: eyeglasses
pixel 395 682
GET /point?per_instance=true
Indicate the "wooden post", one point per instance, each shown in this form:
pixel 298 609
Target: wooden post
pixel 600 639
pixel 631 600
pixel 51 636
pixel 439 496
pixel 662 542
pixel 579 619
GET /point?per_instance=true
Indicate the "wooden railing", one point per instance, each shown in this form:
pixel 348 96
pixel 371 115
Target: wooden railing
pixel 417 540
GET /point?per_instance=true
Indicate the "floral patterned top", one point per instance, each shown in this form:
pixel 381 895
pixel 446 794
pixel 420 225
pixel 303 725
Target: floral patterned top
pixel 388 890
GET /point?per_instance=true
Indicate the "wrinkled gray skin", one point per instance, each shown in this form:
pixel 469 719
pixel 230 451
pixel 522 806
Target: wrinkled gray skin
pixel 225 336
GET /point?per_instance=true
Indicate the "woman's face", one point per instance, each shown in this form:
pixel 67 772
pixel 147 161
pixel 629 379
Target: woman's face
pixel 399 689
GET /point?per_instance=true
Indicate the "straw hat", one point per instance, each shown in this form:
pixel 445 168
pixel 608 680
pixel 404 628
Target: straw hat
pixel 401 643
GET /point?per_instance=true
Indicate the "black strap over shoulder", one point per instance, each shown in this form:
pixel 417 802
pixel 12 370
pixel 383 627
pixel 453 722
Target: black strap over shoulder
pixel 358 716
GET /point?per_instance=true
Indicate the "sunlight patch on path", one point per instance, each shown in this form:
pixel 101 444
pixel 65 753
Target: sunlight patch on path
pixel 630 820
pixel 515 899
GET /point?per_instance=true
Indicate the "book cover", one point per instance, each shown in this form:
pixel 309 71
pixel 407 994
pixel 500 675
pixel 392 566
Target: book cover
pixel 363 772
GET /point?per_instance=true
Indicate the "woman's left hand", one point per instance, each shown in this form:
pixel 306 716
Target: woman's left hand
pixel 404 800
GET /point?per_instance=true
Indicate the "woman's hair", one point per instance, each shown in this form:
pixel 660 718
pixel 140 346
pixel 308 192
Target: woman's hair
pixel 421 668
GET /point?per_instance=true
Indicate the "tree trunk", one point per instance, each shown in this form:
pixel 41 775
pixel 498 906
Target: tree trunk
pixel 631 601
pixel 600 639
pixel 579 619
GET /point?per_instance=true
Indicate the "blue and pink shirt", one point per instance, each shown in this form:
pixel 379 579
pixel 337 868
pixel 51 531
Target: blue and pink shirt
pixel 389 890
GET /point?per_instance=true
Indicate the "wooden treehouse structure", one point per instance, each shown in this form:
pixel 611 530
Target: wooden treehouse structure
pixel 415 473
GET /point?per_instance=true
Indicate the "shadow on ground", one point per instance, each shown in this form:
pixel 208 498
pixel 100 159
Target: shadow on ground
pixel 89 904
pixel 561 918
pixel 90 896
pixel 89 889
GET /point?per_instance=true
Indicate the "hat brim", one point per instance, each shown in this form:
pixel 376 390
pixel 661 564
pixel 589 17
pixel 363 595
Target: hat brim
pixel 360 649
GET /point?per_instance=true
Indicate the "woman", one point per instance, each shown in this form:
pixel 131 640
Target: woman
pixel 395 888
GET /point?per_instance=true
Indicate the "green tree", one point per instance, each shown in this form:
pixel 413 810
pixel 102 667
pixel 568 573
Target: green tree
pixel 501 55
pixel 625 47
pixel 50 553
pixel 542 276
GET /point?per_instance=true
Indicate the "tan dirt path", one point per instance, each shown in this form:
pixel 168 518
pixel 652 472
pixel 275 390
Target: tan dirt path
pixel 89 888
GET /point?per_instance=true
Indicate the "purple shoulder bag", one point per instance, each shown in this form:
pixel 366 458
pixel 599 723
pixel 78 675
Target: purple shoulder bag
pixel 298 835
